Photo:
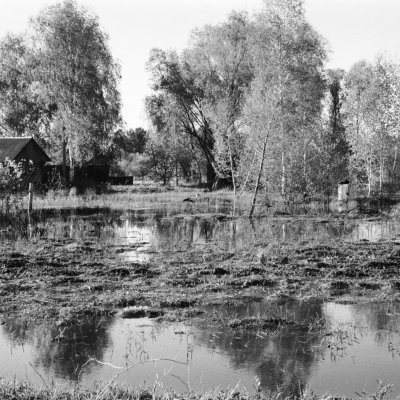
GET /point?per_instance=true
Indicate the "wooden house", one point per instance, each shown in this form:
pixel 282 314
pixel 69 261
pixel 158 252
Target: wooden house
pixel 25 151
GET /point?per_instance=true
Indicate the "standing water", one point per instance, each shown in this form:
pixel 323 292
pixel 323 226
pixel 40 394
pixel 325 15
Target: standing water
pixel 357 346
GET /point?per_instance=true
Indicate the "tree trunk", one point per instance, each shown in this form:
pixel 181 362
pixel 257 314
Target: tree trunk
pixel 305 170
pixel 283 181
pixel 369 175
pixel 232 176
pixel 253 203
pixel 211 175
pixel 64 162
pixel 71 169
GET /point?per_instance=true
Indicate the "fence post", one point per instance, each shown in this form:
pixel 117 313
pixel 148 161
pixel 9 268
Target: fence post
pixel 30 197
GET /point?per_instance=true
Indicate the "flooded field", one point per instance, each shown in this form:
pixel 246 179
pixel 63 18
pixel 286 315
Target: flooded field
pixel 157 230
pixel 357 345
pixel 275 303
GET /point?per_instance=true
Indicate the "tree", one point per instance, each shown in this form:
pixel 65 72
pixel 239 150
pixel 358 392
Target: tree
pixel 173 76
pixel 331 163
pixel 221 61
pixel 76 72
pixel 20 111
pixel 207 85
pixel 131 140
pixel 372 124
pixel 168 150
pixel 284 101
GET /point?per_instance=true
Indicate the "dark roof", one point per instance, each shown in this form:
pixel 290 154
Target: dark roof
pixel 10 147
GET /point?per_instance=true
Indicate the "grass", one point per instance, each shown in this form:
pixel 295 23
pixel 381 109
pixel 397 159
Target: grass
pixel 139 196
pixel 129 197
pixel 24 391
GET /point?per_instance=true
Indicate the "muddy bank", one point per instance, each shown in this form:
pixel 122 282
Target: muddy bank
pixel 67 280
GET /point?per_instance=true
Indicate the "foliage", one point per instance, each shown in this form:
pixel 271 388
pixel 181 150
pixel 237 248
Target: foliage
pixel 372 123
pixel 133 164
pixel 220 60
pixel 283 104
pixel 170 152
pixel 58 82
pixel 242 81
pixel 11 177
pixel 76 72
pixel 131 140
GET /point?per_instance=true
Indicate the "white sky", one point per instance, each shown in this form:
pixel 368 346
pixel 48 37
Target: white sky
pixel 355 30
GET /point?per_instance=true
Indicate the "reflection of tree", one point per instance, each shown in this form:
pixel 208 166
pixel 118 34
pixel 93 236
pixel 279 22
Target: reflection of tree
pixel 381 319
pixel 176 232
pixel 62 352
pixel 184 232
pixel 179 233
pixel 284 360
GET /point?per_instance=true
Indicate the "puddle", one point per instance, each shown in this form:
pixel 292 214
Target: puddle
pixel 360 346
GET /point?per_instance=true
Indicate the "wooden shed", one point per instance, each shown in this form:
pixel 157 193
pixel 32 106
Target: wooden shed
pixel 27 151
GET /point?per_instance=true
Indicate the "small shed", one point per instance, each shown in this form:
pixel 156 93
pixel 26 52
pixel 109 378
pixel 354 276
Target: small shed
pixel 24 150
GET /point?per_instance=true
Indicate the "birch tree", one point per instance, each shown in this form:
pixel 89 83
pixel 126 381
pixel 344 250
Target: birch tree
pixel 77 73
pixel 21 112
pixel 372 107
pixel 286 93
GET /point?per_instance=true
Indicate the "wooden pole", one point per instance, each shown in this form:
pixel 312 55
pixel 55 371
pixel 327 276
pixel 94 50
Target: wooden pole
pixel 30 197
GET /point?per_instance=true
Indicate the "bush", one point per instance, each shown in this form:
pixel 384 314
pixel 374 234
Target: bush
pixel 11 177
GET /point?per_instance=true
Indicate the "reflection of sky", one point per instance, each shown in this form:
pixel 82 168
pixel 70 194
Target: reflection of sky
pixel 139 235
pixel 366 358
pixel 218 357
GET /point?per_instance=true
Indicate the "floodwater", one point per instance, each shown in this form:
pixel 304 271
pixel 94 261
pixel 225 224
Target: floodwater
pixel 359 346
pixel 149 231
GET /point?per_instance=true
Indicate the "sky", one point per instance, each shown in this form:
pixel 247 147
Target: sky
pixel 354 29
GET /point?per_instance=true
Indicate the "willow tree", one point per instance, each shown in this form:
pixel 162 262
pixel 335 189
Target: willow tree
pixel 207 83
pixel 220 56
pixel 76 73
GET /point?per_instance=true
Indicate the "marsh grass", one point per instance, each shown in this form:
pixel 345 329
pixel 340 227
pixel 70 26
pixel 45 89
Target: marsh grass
pixel 175 200
pixel 132 199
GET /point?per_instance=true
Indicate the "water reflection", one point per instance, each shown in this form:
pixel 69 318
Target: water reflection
pixel 282 361
pixel 212 356
pixel 147 231
pixel 59 351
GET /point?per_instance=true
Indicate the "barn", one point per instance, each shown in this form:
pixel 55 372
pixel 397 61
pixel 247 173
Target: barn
pixel 24 150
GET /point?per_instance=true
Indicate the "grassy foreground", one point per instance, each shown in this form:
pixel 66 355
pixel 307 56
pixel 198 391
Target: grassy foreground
pixel 24 391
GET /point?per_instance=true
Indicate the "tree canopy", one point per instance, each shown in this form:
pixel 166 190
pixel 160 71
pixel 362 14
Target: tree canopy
pixel 60 81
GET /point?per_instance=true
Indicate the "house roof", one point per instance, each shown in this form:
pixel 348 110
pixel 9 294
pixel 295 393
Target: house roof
pixel 10 147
